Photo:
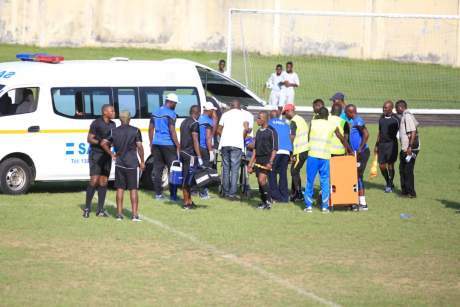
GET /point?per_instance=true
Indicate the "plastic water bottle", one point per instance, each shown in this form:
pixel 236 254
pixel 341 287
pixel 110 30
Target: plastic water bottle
pixel 405 216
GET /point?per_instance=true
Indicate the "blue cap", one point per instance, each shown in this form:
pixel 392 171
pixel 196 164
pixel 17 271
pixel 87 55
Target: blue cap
pixel 338 96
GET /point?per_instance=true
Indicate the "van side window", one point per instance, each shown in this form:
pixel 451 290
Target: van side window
pixel 126 100
pixel 152 98
pixel 80 103
pixel 19 101
pixel 150 101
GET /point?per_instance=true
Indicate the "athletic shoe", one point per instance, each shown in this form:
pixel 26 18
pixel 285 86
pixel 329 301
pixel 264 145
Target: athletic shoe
pixel 136 218
pixel 102 213
pixel 86 213
pixel 173 198
pixel 388 189
pixel 204 195
pixel 308 210
pixel 354 208
pixel 159 197
pixel 232 197
pixel 325 210
pixel 297 197
pixel 189 207
pixel 119 217
pixel 363 208
pixel 264 206
pixel 268 205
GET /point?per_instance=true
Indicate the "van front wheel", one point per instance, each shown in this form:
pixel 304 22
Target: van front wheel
pixel 15 176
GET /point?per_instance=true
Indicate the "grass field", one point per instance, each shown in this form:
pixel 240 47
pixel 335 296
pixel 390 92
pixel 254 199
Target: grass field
pixel 227 253
pixel 366 83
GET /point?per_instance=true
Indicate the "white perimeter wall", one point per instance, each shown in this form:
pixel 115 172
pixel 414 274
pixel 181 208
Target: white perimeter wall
pixel 202 25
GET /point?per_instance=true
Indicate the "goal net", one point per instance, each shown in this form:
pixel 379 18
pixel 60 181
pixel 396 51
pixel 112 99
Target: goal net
pixel 368 57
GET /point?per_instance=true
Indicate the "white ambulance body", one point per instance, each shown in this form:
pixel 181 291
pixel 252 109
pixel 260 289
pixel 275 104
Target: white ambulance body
pixel 46 109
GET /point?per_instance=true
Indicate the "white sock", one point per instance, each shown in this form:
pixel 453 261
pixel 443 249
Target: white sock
pixel 362 200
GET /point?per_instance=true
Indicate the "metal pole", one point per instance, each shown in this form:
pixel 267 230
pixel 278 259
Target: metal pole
pixel 229 42
pixel 243 47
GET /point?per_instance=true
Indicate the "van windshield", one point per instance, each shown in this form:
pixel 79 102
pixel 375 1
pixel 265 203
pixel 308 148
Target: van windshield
pixel 223 89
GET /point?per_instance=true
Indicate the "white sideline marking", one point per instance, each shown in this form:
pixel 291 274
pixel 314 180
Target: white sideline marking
pixel 233 258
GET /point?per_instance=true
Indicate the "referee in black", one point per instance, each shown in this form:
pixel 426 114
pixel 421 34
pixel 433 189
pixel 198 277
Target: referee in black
pixel 265 148
pixel 127 142
pixel 386 145
pixel 190 154
pixel 100 163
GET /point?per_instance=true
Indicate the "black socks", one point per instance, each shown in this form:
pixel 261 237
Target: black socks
pixel 101 191
pixel 391 176
pixel 265 193
pixel 90 190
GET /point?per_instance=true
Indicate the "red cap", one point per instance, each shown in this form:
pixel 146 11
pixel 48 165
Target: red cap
pixel 288 107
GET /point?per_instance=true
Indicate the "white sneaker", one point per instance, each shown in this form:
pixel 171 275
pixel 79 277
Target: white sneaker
pixel 136 219
pixel 325 210
pixel 308 210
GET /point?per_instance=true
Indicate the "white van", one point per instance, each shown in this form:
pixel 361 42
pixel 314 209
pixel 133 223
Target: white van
pixel 46 109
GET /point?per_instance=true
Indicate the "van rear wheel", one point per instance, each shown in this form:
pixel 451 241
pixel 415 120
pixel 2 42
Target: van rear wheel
pixel 15 176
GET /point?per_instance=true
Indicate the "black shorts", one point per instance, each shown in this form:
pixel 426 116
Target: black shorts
pixel 362 160
pixel 187 170
pixel 126 178
pixel 388 152
pixel 262 161
pixel 100 164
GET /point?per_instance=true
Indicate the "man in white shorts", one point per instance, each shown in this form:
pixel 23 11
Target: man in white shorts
pixel 291 80
pixel 274 83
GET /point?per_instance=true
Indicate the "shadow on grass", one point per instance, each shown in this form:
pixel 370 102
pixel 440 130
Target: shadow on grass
pixel 58 187
pixel 167 201
pixel 110 209
pixel 450 204
pixel 378 186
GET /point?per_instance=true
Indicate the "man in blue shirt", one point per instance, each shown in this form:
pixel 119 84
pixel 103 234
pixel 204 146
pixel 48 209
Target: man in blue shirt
pixel 206 125
pixel 279 189
pixel 358 142
pixel 165 145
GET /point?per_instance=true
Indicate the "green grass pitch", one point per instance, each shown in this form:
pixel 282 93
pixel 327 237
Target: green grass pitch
pixel 229 253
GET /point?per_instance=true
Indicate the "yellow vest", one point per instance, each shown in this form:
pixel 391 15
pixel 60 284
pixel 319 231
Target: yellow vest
pixel 321 132
pixel 301 136
pixel 337 147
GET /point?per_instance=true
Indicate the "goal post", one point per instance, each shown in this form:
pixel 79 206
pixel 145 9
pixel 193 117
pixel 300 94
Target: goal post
pixel 369 56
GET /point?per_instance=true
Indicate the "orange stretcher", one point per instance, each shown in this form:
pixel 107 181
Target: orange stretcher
pixel 344 181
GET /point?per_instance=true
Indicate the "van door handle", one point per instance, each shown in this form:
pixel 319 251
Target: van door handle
pixel 33 129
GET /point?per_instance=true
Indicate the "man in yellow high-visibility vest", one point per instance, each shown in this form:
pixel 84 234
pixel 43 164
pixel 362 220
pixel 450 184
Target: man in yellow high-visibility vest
pixel 321 132
pixel 337 148
pixel 299 139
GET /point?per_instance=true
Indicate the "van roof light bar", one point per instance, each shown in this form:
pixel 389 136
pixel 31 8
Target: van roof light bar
pixel 40 57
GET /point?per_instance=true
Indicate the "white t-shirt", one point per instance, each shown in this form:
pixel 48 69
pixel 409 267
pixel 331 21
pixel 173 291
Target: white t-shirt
pixel 292 78
pixel 273 82
pixel 248 117
pixel 232 122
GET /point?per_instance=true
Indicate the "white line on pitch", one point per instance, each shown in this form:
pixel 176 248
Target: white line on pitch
pixel 235 259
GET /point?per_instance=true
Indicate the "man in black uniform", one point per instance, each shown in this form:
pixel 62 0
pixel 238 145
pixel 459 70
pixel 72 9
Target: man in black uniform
pixel 190 154
pixel 265 148
pixel 386 145
pixel 127 142
pixel 100 162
